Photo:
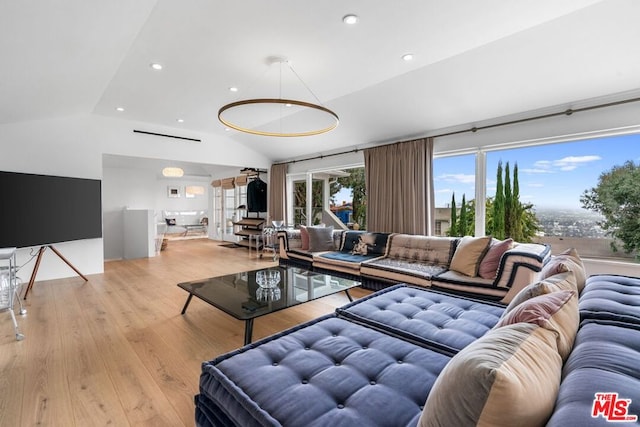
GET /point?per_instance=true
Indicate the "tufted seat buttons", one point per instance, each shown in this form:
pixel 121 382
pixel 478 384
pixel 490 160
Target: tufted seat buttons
pixel 334 335
pixel 340 406
pixel 400 361
pixel 364 347
pixel 372 382
pixel 337 363
pixel 305 381
pixel 307 348
pixel 274 364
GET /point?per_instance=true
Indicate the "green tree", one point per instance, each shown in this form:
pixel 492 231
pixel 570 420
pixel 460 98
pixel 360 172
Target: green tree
pixel 462 222
pixel 453 229
pixel 497 224
pixel 356 182
pixel 516 207
pixel 508 203
pixel 300 202
pixel 529 221
pixel 617 198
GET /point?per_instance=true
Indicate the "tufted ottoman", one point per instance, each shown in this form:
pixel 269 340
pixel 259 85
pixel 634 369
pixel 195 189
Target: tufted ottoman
pixel 426 317
pixel 604 360
pixel 612 298
pixel 326 372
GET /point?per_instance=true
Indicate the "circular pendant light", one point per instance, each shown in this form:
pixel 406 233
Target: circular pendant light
pixel 279 117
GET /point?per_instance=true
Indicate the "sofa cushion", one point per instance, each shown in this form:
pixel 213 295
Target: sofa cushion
pixel 304 237
pixel 375 243
pixel 469 252
pixel 320 239
pixel 400 270
pixel 327 372
pixel 421 249
pixel 490 262
pixel 508 377
pixel 558 282
pixel 604 360
pixel 610 297
pixel 461 283
pixel 568 260
pixel 430 318
pixel 556 311
pixel 346 260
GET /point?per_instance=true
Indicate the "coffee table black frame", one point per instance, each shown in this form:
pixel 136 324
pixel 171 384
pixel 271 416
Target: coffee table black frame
pixel 236 294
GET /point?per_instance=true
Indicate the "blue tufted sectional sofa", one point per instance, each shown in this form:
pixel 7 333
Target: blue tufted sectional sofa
pixel 408 356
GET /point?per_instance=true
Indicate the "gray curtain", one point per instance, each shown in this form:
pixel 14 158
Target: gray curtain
pixel 278 193
pixel 399 181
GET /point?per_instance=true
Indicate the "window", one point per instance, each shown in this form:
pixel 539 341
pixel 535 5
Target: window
pixel 337 198
pixel 551 180
pixel 453 176
pixel 553 177
pixel 349 198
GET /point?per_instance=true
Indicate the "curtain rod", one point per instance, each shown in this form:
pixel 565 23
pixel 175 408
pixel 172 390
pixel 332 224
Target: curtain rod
pixel 474 129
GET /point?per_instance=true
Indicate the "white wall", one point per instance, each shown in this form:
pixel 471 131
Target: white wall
pixel 125 188
pixel 73 146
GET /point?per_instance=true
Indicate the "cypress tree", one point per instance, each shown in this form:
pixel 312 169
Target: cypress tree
pixel 462 228
pixel 454 219
pixel 517 207
pixel 498 206
pixel 508 203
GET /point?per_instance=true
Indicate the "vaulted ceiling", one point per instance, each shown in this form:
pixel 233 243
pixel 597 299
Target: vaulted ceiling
pixel 473 61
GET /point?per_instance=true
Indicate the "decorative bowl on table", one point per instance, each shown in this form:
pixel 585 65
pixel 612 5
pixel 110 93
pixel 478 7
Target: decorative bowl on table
pixel 268 278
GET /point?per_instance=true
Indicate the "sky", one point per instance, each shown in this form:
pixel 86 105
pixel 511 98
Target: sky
pixel 550 176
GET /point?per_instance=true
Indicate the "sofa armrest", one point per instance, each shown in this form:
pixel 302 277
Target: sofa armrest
pixel 519 267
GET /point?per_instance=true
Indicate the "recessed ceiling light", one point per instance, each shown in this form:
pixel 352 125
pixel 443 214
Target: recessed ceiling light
pixel 287 105
pixel 227 129
pixel 407 56
pixel 233 89
pixel 156 66
pixel 119 109
pixel 180 120
pixel 350 19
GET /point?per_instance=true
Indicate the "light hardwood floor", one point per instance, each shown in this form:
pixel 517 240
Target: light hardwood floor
pixel 116 351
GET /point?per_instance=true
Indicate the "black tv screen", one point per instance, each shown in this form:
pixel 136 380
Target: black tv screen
pixel 38 210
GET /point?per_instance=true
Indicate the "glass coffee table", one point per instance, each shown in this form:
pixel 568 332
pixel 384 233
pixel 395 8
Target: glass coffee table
pixel 252 294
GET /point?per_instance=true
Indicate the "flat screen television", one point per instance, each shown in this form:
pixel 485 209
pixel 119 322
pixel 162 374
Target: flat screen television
pixel 38 210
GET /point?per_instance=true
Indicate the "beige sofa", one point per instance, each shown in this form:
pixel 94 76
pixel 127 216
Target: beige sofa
pixel 441 262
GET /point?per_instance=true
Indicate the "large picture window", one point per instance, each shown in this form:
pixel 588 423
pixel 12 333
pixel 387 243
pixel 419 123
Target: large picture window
pixel 583 194
pixel 554 180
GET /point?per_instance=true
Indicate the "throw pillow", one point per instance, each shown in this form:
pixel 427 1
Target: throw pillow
pixel 491 261
pixel 508 377
pixel 470 250
pixel 558 282
pixel 556 311
pixel 568 260
pixel 304 238
pixel 320 239
pixel 360 248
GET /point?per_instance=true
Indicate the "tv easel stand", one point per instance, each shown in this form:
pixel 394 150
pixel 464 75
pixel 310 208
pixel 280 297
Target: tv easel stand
pixel 35 269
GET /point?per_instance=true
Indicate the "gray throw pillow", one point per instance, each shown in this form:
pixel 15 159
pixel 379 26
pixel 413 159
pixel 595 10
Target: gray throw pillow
pixel 320 239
